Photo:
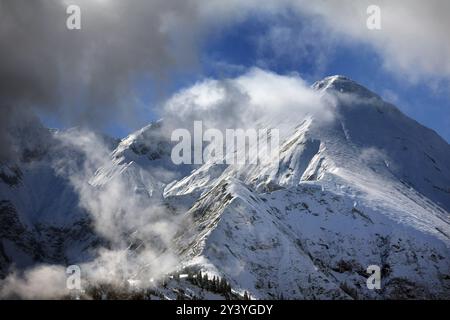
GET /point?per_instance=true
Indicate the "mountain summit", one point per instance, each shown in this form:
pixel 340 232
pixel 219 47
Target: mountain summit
pixel 369 186
pixel 342 84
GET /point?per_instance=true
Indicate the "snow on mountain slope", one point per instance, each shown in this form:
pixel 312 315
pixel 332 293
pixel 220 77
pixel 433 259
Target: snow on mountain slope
pixel 40 217
pixel 369 187
pixel 366 186
pixel 367 135
pixel 143 160
pixel 77 193
pixel 304 242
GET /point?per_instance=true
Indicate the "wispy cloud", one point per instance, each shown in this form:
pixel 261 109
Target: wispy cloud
pixel 89 76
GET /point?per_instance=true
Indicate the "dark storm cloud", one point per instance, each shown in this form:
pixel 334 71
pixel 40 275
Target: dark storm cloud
pixel 86 76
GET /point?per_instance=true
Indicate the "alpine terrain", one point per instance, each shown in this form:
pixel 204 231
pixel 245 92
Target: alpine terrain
pixel 367 186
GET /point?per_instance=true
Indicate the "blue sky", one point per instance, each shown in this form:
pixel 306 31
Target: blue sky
pixel 236 48
pixel 295 43
pixel 359 62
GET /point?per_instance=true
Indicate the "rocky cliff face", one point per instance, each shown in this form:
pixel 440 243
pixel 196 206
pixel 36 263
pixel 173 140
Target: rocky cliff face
pixel 368 187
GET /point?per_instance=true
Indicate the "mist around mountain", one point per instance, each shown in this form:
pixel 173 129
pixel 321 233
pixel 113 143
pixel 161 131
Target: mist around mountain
pixel 358 183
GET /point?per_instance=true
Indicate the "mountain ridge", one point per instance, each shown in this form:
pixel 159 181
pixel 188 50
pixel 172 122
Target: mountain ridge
pixel 369 186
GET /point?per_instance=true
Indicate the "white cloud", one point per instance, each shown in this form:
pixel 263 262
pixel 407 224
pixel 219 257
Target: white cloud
pixel 42 282
pixel 414 36
pixel 119 214
pixel 97 68
pixel 413 41
pixel 241 102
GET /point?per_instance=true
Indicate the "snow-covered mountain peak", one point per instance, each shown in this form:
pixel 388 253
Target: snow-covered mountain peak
pixel 343 85
pixel 141 141
pixel 367 186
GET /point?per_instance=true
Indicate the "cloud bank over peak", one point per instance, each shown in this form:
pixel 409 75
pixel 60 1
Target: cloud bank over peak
pixel 242 102
pixel 92 76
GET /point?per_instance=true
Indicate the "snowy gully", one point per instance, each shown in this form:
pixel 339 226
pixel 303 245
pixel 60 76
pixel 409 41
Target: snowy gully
pixel 225 309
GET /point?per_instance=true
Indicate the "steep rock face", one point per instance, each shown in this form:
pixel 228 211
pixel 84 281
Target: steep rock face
pixel 143 160
pixel 368 187
pixel 304 242
pixel 23 246
pixel 40 217
pixel 414 154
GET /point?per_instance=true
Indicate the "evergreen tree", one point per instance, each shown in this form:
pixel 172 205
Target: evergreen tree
pixel 213 285
pixel 199 278
pixel 216 284
pixel 222 286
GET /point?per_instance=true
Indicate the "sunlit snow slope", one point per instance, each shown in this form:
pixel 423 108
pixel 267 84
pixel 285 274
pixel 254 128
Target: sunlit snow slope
pixel 368 186
pixel 371 186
